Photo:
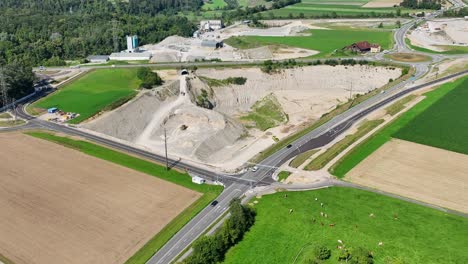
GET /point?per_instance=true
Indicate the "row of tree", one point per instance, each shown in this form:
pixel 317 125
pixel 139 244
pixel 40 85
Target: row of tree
pixel 422 4
pixel 211 249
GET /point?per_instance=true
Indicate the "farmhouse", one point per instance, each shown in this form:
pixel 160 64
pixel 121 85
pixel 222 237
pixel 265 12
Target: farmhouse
pixel 363 46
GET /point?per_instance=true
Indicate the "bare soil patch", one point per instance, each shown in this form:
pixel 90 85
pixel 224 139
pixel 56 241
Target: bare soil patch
pixel 417 171
pixel 409 57
pixel 62 206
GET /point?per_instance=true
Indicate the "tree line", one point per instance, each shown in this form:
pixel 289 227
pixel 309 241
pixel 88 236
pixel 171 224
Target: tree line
pixel 211 249
pixel 18 80
pixel 422 4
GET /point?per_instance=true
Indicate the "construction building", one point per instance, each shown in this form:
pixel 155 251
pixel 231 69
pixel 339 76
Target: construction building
pixel 133 56
pixel 211 25
pixel 212 43
pixel 98 58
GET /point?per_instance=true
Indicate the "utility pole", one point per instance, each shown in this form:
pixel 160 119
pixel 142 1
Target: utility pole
pixel 165 147
pixel 350 91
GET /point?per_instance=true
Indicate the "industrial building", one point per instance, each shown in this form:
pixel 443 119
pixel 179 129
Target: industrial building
pixel 212 43
pixel 210 25
pixel 98 58
pixel 130 56
pixel 132 43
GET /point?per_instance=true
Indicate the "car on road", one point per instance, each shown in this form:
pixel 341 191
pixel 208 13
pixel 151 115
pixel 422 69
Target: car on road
pixel 214 203
pixel 254 169
pixel 289 146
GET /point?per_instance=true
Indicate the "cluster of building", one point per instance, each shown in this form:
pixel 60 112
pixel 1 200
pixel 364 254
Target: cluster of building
pixel 132 53
pixel 364 46
pixel 56 115
pixel 209 40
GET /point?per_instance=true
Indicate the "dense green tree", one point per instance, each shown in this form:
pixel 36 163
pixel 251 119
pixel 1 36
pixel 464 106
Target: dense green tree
pixel 19 79
pixel 148 78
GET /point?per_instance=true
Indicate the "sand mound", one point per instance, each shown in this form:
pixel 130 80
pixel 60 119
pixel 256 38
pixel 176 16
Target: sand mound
pixel 217 137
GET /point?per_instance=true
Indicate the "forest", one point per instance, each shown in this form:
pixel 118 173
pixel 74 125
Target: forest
pixel 47 32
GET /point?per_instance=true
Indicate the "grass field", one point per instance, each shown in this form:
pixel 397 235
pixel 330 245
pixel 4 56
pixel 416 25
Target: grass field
pixel 301 158
pixel 370 145
pixel 209 192
pixel 5 115
pixel 214 4
pixel 408 57
pixel 283 175
pixel 11 123
pixel 94 92
pixel 444 124
pixel 321 160
pixel 331 8
pixel 410 233
pixel 266 113
pixel 324 41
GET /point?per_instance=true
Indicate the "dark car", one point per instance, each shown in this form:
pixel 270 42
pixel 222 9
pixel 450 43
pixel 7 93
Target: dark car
pixel 288 146
pixel 214 203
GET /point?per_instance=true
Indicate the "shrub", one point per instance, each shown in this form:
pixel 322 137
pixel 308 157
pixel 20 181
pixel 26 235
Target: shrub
pixel 322 252
pixel 148 78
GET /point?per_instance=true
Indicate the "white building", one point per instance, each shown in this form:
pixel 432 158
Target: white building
pixel 210 25
pixel 132 43
pixel 130 56
pixel 198 180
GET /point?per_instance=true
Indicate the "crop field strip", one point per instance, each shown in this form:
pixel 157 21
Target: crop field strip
pixel 367 147
pixel 325 41
pixel 334 7
pixel 444 124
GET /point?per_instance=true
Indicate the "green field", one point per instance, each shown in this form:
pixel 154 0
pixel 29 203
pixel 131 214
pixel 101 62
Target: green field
pixel 210 192
pixel 410 233
pixel 214 4
pixel 332 8
pixel 444 124
pixel 283 175
pixel 447 136
pixel 322 40
pixel 93 92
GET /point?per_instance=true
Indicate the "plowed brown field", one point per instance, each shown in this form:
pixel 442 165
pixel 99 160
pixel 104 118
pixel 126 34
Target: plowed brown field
pixel 424 173
pixel 58 205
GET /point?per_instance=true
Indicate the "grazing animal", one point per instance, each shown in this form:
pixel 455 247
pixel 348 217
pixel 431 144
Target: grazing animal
pixel 290 211
pixel 380 243
pixel 321 213
pixel 331 225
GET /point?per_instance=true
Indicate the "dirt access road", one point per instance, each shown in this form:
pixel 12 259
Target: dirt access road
pixel 62 206
pixel 420 172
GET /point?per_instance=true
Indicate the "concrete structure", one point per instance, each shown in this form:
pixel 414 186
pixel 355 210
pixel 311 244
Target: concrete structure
pixel 98 58
pixel 130 56
pixel 212 43
pixel 210 25
pixel 132 43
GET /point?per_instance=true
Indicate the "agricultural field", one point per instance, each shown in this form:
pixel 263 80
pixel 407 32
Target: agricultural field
pixel 323 40
pixel 94 92
pixel 357 218
pixel 444 124
pixel 452 139
pixel 81 203
pixel 334 8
